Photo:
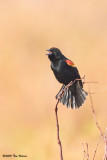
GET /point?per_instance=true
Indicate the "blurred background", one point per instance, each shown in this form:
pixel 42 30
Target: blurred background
pixel 28 86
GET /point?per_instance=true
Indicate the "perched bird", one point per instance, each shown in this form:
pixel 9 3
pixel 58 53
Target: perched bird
pixel 65 72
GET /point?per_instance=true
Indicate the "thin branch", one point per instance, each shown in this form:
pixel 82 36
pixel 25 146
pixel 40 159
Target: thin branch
pixel 83 79
pixel 56 114
pixel 105 139
pixel 57 124
pixel 92 82
pixel 87 151
pixel 96 148
pixel 84 151
pixel 106 144
pixel 103 136
pixel 94 115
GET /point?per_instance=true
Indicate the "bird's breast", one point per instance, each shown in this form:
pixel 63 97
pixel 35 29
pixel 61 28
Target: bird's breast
pixel 62 73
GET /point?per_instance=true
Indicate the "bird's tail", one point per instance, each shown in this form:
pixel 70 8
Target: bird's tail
pixel 73 97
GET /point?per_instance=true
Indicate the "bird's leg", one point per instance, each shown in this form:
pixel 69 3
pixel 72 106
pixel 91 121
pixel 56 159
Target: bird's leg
pixel 59 95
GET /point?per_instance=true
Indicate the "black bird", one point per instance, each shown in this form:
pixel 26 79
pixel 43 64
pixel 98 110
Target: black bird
pixel 65 72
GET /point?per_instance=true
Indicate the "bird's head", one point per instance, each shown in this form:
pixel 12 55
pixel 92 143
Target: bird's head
pixel 54 54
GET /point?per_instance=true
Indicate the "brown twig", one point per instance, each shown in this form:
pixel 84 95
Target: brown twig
pixel 103 136
pixel 94 115
pixel 83 79
pixel 105 140
pixel 57 123
pixel 106 144
pixel 84 151
pixel 96 148
pixel 87 151
pixel 56 114
pixel 92 82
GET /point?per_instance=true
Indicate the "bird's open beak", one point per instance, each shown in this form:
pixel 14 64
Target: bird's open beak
pixel 49 52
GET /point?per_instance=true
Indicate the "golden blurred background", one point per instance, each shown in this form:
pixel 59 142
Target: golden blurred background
pixel 28 86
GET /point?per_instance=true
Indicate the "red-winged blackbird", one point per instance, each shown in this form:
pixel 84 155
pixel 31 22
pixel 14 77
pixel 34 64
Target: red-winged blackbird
pixel 65 72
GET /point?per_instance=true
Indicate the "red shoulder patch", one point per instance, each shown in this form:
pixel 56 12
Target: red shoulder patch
pixel 70 63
